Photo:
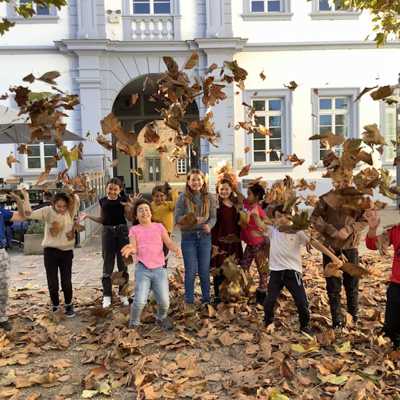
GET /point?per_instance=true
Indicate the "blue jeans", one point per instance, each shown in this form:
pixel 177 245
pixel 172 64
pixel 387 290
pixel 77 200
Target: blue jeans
pixel 196 249
pixel 145 280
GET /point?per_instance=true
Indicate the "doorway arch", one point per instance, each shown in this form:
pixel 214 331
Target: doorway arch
pixel 154 167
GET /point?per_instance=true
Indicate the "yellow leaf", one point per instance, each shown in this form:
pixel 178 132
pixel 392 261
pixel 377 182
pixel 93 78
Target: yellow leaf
pixel 344 348
pixel 88 394
pixel 334 379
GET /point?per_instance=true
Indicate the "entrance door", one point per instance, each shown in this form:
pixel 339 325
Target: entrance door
pixel 154 170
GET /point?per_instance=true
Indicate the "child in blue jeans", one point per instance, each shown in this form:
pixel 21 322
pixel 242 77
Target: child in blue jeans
pixel 146 244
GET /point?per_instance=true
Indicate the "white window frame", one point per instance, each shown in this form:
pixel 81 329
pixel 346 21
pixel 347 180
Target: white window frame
pixel 52 17
pixel 333 14
pixel 35 7
pixel 151 3
pixel 41 156
pixel 285 95
pixel 388 158
pixel 284 14
pixel 181 166
pixel 352 114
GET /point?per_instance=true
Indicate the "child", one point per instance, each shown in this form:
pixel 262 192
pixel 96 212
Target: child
pixel 163 209
pixel 227 224
pixel 257 246
pixel 341 229
pixel 58 243
pixel 6 215
pixel 114 238
pixel 196 237
pixel 286 269
pixel 146 243
pixel 392 236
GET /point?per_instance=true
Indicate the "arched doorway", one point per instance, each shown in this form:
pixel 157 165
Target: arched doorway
pixel 135 107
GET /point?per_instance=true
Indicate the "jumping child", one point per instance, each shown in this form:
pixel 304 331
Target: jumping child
pixel 146 245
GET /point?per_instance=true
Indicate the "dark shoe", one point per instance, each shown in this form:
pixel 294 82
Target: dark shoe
pixel 55 309
pixel 307 330
pixel 260 297
pixel 6 326
pixel 69 311
pixel 166 324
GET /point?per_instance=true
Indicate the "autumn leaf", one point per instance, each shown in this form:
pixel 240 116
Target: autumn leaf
pixel 10 160
pixel 245 170
pixel 372 135
pixel 29 78
pixel 382 92
pixel 364 91
pixel 192 61
pixel 171 65
pixel 149 133
pixel 292 86
pixel 55 228
pixel 102 140
pixel 49 77
pixel 329 139
pixel 295 160
pixel 247 149
pixel 262 75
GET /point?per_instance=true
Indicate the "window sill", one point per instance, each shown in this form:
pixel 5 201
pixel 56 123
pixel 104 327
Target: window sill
pixel 329 15
pixel 37 19
pixel 278 16
pixel 265 166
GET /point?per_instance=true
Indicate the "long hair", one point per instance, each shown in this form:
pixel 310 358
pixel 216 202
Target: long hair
pixel 205 202
pixel 236 197
pixel 68 199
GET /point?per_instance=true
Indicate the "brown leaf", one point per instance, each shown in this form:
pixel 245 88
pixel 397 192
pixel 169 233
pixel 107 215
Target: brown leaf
pixel 292 85
pixel 192 61
pixel 286 369
pixel 382 92
pixel 247 149
pixel 262 75
pixel 49 77
pixel 171 65
pixel 226 339
pixel 245 170
pixel 149 133
pixel 295 160
pixel 24 149
pixel 29 78
pixel 102 140
pixel 372 135
pixel 188 220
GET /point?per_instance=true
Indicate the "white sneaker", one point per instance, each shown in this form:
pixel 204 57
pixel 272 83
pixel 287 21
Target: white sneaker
pixel 106 301
pixel 124 300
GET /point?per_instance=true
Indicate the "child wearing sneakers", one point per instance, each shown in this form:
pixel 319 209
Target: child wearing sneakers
pixel 146 245
pixel 285 268
pixel 114 238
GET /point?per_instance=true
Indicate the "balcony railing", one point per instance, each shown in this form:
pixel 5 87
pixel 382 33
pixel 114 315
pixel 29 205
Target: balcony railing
pixel 149 27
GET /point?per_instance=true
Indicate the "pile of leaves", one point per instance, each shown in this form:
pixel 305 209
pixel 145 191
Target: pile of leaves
pixel 219 352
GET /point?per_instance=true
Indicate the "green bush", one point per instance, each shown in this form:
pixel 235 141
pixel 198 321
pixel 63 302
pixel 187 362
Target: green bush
pixel 36 227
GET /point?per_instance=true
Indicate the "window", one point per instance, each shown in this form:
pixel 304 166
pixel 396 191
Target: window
pixel 181 166
pixel 388 129
pixel 152 6
pixel 40 155
pixel 265 6
pixel 269 113
pixel 39 9
pixel 333 117
pixel 330 5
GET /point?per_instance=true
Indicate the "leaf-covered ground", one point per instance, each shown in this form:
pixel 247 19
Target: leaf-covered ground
pixel 217 353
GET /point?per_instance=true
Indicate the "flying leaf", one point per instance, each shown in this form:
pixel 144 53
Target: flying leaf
pixel 49 77
pixel 364 91
pixel 372 135
pixel 29 78
pixel 102 140
pixel 292 85
pixel 10 160
pixel 262 75
pixel 295 160
pixel 192 61
pixel 149 133
pixel 247 149
pixel 382 92
pixel 245 170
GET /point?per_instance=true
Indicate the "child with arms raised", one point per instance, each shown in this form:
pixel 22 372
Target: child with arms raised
pixel 146 244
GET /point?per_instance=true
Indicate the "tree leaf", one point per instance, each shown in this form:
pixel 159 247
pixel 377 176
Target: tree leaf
pixel 192 61
pixel 49 77
pixel 245 170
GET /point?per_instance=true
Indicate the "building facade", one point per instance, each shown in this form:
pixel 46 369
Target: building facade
pixel 104 49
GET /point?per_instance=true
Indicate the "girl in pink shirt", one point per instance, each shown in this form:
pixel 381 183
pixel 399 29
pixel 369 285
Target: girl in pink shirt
pixel 257 246
pixel 146 245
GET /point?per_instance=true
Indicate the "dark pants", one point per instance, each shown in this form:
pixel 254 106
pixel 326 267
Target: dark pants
pixel 334 287
pixel 54 260
pixel 392 313
pixel 114 238
pixel 217 281
pixel 293 282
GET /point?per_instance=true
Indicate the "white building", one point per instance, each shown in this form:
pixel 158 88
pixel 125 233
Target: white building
pixel 105 48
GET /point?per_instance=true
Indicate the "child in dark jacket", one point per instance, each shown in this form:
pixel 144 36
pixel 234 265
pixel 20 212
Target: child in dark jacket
pixel 392 237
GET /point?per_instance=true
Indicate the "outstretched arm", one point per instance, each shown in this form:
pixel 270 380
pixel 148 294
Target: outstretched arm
pixel 170 244
pixel 130 249
pixel 20 214
pixel 93 218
